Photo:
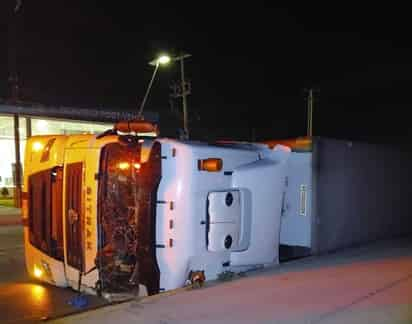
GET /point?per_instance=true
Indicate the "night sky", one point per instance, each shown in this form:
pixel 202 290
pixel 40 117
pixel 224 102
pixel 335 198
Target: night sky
pixel 249 69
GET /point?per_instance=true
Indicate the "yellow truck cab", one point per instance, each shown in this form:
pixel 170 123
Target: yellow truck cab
pixel 77 188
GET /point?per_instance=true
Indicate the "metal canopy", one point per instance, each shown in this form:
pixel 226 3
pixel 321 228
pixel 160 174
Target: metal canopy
pixel 87 114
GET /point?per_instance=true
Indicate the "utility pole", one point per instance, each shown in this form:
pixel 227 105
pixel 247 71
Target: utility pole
pixel 310 105
pixel 14 96
pixel 184 101
pixel 13 79
pixel 183 90
pixel 310 113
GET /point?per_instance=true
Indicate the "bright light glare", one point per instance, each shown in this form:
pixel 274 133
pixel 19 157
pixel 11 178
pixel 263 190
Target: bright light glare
pixel 124 165
pixel 137 166
pixel 163 59
pixel 37 272
pixel 41 124
pixel 37 146
pixel 38 292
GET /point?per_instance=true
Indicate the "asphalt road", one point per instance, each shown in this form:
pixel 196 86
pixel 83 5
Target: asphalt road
pixel 23 300
pixel 371 284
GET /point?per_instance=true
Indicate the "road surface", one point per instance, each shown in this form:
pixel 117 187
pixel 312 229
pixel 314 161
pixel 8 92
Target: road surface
pixel 21 299
pixel 372 284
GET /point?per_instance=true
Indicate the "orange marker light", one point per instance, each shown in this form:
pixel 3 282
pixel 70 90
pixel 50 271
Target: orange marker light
pixel 210 165
pixel 37 272
pixel 124 165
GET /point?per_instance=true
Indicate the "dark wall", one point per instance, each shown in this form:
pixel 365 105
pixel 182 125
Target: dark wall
pixel 361 193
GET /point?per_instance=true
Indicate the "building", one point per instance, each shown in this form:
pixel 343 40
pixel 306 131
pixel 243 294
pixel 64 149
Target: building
pixel 20 121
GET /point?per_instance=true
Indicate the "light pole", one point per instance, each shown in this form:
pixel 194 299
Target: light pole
pixel 179 91
pixel 161 60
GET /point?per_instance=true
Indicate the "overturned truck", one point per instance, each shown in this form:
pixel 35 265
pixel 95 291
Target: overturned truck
pixel 126 212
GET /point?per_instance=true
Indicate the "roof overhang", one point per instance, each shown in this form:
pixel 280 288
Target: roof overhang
pixel 73 113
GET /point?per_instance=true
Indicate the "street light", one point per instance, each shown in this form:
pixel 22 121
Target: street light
pixel 161 60
pixel 164 59
pixel 184 86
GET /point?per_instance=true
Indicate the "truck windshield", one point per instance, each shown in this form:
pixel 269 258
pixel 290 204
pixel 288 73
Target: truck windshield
pixel 126 218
